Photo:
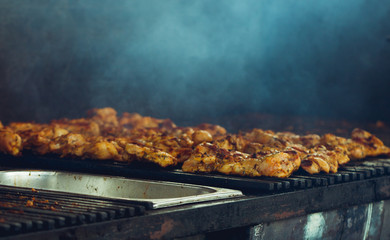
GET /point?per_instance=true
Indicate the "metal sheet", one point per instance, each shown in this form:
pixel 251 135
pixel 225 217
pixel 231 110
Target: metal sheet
pixel 160 193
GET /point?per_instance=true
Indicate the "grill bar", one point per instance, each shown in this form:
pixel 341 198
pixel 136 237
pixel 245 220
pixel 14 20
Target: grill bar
pixel 24 210
pixel 57 210
pixel 353 171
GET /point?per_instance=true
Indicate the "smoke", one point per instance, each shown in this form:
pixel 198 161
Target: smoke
pixel 192 60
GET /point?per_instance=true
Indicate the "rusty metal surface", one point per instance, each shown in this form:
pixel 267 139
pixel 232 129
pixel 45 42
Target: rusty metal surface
pixel 385 230
pixel 365 221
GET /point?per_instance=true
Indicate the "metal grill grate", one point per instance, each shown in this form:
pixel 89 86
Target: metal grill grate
pixel 26 210
pixel 353 171
pixel 23 211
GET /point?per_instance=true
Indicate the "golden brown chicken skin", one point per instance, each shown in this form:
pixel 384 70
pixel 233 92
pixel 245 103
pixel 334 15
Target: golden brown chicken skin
pixel 208 157
pixel 361 144
pixel 372 145
pixel 202 148
pixel 320 159
pixel 10 142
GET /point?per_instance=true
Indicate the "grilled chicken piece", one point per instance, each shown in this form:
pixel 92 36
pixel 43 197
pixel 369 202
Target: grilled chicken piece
pixel 24 129
pixel 105 117
pixel 10 142
pixel 340 150
pixel 361 145
pixel 102 150
pixel 351 148
pixel 44 141
pixel 141 153
pixel 320 159
pixel 208 157
pixel 200 136
pixel 135 120
pixel 267 138
pixel 177 143
pixel 308 141
pixel 70 145
pixel 81 126
pixel 232 142
pixel 37 137
pixel 372 145
pixel 214 130
pixel 102 122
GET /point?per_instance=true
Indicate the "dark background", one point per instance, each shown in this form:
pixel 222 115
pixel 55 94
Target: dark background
pixel 195 60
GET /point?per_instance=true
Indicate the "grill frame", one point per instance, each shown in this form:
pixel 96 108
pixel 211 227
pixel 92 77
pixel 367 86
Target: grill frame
pixel 258 206
pixel 189 220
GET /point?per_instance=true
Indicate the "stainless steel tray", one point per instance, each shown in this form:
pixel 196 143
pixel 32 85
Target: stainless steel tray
pixel 159 193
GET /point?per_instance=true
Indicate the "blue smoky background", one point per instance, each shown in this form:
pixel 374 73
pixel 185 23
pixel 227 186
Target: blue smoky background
pixel 194 60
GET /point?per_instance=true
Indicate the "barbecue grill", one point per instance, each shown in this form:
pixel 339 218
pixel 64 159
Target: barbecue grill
pixel 357 194
pixel 301 66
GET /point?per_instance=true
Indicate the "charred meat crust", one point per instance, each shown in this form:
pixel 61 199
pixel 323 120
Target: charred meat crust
pixel 204 148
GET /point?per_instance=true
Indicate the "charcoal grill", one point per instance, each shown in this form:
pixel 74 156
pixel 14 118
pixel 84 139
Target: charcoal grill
pixel 56 210
pixel 266 200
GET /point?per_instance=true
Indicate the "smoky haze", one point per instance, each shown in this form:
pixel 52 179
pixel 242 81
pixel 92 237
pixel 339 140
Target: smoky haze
pixel 195 60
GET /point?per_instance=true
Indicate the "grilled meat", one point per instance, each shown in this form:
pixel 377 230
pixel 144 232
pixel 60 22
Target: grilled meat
pixel 372 145
pixel 203 148
pixel 136 121
pixel 320 159
pixel 10 142
pixel 208 157
pixel 362 144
